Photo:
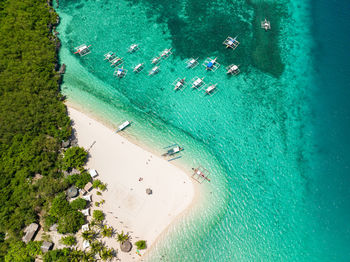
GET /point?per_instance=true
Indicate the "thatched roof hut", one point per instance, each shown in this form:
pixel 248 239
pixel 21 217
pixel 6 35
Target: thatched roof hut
pixel 46 246
pixel 149 191
pixel 126 246
pixel 30 232
pixel 72 192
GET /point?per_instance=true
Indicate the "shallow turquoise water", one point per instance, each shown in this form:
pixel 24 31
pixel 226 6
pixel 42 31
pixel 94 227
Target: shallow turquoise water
pixel 253 134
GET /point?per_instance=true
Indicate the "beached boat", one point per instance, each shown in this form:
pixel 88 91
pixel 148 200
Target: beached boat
pixel 231 42
pixel 211 64
pixel 173 151
pixel 232 69
pixel 123 126
pixel 178 83
pixel 138 68
pixel 82 50
pixel 197 82
pixel 154 71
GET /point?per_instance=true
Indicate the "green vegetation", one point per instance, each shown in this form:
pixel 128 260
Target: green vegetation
pixel 78 204
pixel 122 237
pixel 98 215
pixel 69 240
pixel 141 244
pixel 98 184
pixel 79 180
pixel 19 252
pixel 107 231
pixel 74 157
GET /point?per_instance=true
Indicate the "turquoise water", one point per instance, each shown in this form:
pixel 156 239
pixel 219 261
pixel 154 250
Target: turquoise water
pixel 254 134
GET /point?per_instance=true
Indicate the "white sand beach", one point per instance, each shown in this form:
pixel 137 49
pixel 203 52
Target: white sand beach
pixel 121 164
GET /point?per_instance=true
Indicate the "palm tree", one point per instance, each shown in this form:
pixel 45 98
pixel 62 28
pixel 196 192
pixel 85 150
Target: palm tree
pixel 107 231
pixel 89 235
pixel 121 238
pixel 87 257
pixel 96 247
pixel 106 254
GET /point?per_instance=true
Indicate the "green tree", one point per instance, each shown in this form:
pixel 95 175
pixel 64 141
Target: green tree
pixel 74 157
pixel 141 244
pixel 68 240
pixel 121 237
pixel 78 204
pixel 71 222
pixel 18 253
pixel 96 247
pixel 89 235
pixel 98 215
pixel 60 206
pixel 107 231
pixel 79 180
pixel 106 254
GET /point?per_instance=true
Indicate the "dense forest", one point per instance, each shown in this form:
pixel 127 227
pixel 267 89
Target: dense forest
pixel 33 123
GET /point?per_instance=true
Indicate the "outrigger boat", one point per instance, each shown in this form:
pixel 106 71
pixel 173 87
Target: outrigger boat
pixel 211 64
pixel 265 25
pixel 200 174
pixel 120 72
pixel 210 89
pixel 198 82
pixel 138 68
pixel 232 69
pixel 191 63
pixel 155 60
pixel 116 61
pixel 133 48
pixel 82 50
pixel 154 70
pixel 173 151
pixel 178 83
pixel 123 126
pixel 231 42
pixel 109 56
pixel 166 53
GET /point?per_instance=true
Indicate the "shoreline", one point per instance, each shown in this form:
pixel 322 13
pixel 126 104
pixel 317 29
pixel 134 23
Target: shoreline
pixel 190 190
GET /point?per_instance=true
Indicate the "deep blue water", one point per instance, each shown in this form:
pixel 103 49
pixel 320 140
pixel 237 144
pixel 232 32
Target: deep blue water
pixel 331 185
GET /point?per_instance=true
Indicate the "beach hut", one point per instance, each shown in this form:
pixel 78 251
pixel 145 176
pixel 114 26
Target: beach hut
pixel 126 246
pixel 149 191
pixel 93 173
pixel 46 246
pixel 72 192
pixel 30 232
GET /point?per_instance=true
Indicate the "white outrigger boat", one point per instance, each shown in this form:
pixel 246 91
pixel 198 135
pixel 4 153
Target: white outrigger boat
pixel 138 68
pixel 123 126
pixel 211 64
pixel 265 25
pixel 82 50
pixel 179 83
pixel 198 82
pixel 192 62
pixel 232 70
pixel 133 48
pixel 154 71
pixel 155 60
pixel 116 61
pixel 109 56
pixel 210 89
pixel 231 42
pixel 120 72
pixel 166 53
pixel 173 151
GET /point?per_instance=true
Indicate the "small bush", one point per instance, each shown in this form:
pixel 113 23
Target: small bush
pixel 98 193
pixel 141 244
pixel 68 240
pixel 96 183
pixel 78 204
pixel 98 215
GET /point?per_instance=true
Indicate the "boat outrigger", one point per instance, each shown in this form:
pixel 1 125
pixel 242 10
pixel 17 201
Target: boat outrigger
pixel 133 48
pixel 179 83
pixel 200 174
pixel 120 72
pixel 116 61
pixel 231 42
pixel 211 64
pixel 192 62
pixel 173 151
pixel 82 50
pixel 109 56
pixel 210 89
pixel 166 53
pixel 265 25
pixel 198 82
pixel 155 60
pixel 123 126
pixel 232 69
pixel 138 68
pixel 154 70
